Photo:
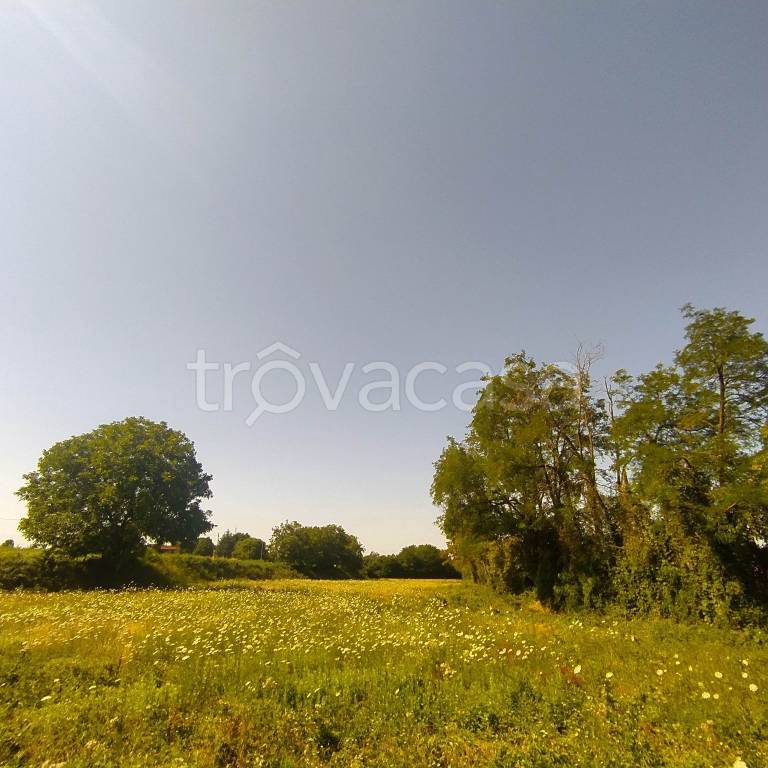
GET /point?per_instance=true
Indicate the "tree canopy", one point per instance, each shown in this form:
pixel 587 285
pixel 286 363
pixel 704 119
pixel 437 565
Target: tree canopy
pixel 111 490
pixel 250 549
pixel 653 491
pixel 204 547
pixel 227 542
pixel 326 551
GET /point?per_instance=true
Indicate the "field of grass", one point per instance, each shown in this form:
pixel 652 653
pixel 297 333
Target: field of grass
pixel 391 674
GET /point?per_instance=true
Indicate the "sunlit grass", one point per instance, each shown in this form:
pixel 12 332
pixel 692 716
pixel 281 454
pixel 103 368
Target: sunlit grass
pixel 389 673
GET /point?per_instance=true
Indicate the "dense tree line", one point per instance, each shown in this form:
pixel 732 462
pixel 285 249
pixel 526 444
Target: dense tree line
pixel 651 492
pixel 330 552
pixel 417 561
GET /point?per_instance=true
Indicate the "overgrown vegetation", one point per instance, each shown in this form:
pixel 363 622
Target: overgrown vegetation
pixel 417 561
pixel 41 570
pixel 386 674
pixel 652 493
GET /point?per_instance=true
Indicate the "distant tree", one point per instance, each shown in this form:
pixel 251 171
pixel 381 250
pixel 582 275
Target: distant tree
pixel 425 561
pixel 376 566
pixel 420 561
pixel 204 546
pixel 8 544
pixel 250 549
pixel 110 490
pixel 227 541
pixel 317 551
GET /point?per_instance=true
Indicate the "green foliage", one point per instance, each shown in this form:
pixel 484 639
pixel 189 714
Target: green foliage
pixel 327 552
pixel 250 549
pixel 204 547
pixel 418 561
pixel 376 566
pixel 108 491
pixel 654 496
pixel 41 570
pixel 227 542
pixel 184 570
pixel 8 544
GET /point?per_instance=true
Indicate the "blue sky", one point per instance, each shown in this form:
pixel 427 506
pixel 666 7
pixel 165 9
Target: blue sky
pixel 401 182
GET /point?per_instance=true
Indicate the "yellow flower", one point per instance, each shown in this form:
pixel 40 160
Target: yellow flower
pixel 608 675
pixel 739 763
pixel 753 688
pixel 705 695
pixel 577 669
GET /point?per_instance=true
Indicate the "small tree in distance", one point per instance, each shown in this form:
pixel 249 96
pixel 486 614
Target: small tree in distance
pixel 326 551
pixel 417 561
pixel 250 549
pixel 204 547
pixel 227 542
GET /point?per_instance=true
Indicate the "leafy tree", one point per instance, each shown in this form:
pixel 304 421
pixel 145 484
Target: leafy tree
pixel 250 549
pixel 376 566
pixel 204 546
pixel 425 561
pixel 655 495
pixel 693 431
pixel 418 561
pixel 108 491
pixel 8 544
pixel 521 496
pixel 227 542
pixel 317 551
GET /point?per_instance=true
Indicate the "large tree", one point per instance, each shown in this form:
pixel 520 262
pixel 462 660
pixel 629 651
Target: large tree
pixel 521 497
pixel 109 491
pixel 656 494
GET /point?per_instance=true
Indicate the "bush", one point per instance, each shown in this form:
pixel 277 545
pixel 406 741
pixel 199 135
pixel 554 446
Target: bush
pixel 189 569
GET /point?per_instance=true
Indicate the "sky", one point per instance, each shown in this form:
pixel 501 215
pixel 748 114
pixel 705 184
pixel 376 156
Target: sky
pixel 362 182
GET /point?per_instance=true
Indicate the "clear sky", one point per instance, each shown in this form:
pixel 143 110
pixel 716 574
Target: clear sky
pixel 361 181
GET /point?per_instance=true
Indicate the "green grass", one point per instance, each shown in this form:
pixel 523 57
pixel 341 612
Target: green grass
pixel 391 674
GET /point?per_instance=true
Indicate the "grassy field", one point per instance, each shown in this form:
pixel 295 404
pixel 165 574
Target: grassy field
pixel 390 674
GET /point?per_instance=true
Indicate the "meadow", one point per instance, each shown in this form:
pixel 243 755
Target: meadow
pixel 376 673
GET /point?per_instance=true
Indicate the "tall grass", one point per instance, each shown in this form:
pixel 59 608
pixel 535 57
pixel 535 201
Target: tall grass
pixel 388 673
